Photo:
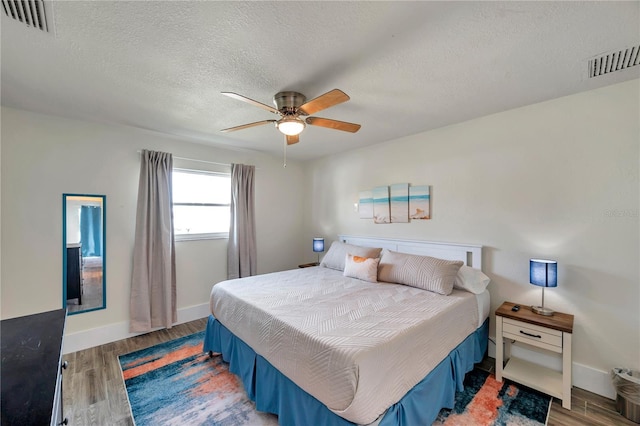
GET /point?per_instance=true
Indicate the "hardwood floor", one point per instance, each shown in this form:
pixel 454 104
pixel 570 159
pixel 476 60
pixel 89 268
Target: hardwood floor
pixel 94 394
pixel 91 290
pixel 92 386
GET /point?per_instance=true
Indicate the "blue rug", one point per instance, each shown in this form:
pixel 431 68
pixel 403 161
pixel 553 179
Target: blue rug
pixel 485 401
pixel 176 383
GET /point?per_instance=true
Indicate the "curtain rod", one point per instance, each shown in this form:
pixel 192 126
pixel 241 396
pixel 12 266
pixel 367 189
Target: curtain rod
pixel 202 161
pixel 199 161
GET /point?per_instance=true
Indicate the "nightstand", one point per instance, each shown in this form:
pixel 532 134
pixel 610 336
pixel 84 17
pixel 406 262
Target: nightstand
pixel 308 265
pixel 552 333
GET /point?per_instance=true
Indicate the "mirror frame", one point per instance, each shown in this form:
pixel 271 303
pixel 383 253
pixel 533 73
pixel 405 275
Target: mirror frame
pixel 65 196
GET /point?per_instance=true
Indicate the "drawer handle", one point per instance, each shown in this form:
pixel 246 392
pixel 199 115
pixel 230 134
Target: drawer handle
pixel 537 336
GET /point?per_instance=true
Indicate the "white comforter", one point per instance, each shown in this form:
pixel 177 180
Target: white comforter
pixel 357 347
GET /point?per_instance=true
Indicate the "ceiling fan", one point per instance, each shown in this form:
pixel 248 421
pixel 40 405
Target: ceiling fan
pixel 292 106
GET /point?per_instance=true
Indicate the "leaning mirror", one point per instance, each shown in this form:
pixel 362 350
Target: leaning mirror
pixel 83 252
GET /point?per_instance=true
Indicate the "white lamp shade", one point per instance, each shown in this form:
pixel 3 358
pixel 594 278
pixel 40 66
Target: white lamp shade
pixel 291 126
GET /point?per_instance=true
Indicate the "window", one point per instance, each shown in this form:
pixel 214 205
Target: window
pixel 201 204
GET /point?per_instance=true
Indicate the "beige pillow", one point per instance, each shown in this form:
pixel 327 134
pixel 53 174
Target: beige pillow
pixel 362 268
pixel 337 253
pixel 428 273
pixel 472 280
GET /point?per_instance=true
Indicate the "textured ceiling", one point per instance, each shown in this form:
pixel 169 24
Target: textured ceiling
pixel 407 66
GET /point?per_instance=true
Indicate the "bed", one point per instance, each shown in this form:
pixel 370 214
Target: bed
pixel 317 347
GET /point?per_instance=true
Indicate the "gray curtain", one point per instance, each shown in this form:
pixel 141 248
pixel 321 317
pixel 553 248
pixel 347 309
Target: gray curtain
pixel 241 250
pixel 153 284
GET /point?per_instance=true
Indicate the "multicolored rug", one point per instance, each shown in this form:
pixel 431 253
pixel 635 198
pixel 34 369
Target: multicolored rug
pixel 176 383
pixel 485 401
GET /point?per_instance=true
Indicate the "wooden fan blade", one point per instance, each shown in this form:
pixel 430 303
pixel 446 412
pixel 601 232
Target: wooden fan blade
pixel 246 126
pixel 292 139
pixel 251 101
pixel 333 124
pixel 329 99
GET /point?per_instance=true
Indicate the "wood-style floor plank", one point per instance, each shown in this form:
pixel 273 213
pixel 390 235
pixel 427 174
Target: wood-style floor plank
pixel 94 393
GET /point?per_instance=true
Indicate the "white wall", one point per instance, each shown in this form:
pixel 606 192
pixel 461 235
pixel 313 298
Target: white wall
pixel 45 156
pixel 73 222
pixel 556 180
pixel 559 179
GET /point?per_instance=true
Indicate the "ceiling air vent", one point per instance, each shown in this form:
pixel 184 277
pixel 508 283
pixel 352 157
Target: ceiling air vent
pixel 30 12
pixel 614 61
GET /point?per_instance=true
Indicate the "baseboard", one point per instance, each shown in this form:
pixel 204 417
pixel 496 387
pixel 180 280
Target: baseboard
pixel 596 381
pixel 583 376
pixel 113 332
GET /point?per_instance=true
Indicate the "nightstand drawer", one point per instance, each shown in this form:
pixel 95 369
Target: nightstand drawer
pixel 532 334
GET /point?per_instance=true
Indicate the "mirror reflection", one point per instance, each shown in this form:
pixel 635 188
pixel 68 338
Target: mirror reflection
pixel 84 282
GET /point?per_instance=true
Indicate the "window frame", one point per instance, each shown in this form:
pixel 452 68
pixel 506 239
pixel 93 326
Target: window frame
pixel 200 236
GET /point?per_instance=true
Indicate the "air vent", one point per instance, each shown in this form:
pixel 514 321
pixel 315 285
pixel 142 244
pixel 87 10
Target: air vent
pixel 29 12
pixel 614 61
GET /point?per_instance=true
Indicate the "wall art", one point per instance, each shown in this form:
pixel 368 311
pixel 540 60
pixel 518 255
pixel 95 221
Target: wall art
pixel 399 202
pixel 381 213
pixel 419 202
pixel 365 204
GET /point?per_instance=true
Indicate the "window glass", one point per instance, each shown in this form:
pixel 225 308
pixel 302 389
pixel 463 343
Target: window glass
pixel 200 204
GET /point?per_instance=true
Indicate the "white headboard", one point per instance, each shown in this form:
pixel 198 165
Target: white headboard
pixel 471 255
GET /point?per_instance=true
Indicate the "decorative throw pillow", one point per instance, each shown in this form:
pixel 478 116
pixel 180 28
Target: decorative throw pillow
pixel 337 253
pixel 428 273
pixel 472 280
pixel 362 268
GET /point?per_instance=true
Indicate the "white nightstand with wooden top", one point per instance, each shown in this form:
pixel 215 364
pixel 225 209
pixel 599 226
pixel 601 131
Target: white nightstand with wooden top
pixel 552 333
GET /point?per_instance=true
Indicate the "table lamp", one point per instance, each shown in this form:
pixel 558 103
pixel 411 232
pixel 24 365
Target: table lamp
pixel 543 273
pixel 318 246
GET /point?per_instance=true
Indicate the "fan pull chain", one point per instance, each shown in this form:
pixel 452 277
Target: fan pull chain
pixel 284 161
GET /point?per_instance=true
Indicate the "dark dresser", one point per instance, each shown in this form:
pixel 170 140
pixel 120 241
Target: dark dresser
pixel 31 369
pixel 74 272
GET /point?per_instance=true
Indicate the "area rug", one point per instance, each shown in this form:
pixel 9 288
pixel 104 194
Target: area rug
pixel 485 401
pixel 175 383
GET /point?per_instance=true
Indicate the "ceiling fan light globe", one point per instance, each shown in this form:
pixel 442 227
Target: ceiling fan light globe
pixel 291 126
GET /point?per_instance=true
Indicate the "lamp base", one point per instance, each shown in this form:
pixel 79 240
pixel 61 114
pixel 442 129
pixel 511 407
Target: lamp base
pixel 541 310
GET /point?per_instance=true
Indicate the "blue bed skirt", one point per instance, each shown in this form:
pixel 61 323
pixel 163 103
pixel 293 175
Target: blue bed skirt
pixel 274 393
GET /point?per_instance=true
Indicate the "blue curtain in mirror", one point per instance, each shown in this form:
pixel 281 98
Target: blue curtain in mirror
pixel 90 230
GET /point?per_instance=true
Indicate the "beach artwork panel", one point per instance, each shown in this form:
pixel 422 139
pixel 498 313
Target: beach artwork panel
pixel 365 204
pixel 381 212
pixel 399 202
pixel 419 202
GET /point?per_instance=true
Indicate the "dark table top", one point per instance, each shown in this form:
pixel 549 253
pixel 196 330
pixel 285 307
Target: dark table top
pixel 31 350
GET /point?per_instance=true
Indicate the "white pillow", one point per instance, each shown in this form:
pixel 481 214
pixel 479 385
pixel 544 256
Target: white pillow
pixel 425 272
pixel 362 268
pixel 471 279
pixel 337 253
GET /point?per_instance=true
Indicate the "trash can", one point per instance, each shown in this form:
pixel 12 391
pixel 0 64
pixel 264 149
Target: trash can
pixel 627 385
